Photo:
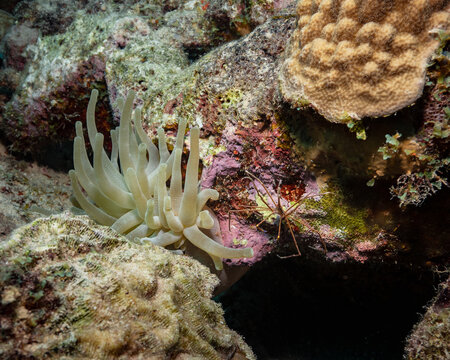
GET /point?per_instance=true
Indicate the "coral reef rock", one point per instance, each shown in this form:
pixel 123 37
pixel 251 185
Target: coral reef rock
pixel 75 290
pixel 15 43
pixel 114 46
pixel 430 338
pixel 25 188
pixel 6 21
pixel 361 58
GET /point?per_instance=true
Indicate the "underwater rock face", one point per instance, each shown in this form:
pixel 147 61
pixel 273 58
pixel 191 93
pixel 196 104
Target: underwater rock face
pixel 24 185
pixel 16 41
pixel 358 59
pixel 109 46
pixel 430 338
pixel 239 17
pixel 76 290
pixel 62 65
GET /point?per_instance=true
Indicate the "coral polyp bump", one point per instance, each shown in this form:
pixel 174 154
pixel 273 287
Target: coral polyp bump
pixel 361 58
pixel 128 192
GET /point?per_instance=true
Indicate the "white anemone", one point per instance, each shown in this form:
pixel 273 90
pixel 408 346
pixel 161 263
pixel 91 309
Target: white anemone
pixel 128 191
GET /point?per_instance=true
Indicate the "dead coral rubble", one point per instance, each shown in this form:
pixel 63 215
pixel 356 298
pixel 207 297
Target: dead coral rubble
pixel 358 59
pixel 74 290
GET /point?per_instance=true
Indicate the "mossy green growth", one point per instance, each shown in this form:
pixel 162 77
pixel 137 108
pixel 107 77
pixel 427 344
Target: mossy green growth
pixel 89 293
pixel 350 222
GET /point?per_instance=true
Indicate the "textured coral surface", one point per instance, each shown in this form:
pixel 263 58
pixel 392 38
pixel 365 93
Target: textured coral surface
pixel 75 290
pixel 430 338
pixel 361 58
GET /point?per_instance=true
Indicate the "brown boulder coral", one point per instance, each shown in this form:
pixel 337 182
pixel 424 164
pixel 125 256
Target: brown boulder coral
pixel 75 290
pixel 361 58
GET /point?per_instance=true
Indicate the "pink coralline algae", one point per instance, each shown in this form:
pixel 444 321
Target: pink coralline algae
pixel 259 152
pixel 234 230
pixel 239 233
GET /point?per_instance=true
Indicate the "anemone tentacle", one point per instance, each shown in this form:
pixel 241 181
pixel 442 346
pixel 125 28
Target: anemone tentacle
pixel 128 191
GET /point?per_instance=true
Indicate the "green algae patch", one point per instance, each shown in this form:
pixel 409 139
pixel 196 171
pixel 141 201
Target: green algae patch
pixel 351 223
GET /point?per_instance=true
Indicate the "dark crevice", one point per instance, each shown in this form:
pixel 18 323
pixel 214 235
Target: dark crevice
pixel 302 308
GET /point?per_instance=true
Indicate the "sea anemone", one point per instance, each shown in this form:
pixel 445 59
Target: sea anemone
pixel 128 191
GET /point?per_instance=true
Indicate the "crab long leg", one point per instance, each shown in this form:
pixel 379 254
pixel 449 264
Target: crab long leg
pixel 295 240
pixel 265 188
pixel 279 229
pixel 264 219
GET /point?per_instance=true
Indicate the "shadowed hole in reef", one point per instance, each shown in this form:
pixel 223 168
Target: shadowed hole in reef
pixel 195 52
pixel 308 310
pixel 57 156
